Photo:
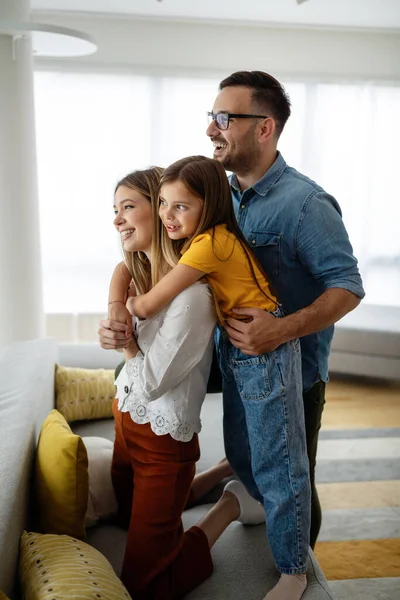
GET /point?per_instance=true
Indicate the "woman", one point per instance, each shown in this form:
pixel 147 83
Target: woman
pixel 160 392
pixel 198 218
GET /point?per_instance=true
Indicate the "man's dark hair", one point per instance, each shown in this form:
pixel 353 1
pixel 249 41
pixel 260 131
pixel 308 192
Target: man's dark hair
pixel 268 94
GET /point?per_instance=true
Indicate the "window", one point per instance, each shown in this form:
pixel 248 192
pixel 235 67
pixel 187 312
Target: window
pixel 91 131
pixel 349 145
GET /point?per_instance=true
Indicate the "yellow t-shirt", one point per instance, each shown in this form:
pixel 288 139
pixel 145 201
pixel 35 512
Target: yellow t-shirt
pixel 228 272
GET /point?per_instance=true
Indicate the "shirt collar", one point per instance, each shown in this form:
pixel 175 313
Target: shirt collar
pixel 263 185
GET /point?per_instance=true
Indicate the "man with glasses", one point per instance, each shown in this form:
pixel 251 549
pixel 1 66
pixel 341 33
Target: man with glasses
pixel 297 233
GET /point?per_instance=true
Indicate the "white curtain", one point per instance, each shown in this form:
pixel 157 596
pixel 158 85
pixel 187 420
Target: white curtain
pixel 92 129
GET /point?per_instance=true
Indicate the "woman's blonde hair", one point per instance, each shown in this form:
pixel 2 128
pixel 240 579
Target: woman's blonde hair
pixel 144 274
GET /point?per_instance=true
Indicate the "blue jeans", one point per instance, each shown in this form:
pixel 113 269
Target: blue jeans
pixel 265 442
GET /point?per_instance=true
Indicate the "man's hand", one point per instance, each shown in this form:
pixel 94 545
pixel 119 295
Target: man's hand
pixel 262 334
pixel 114 335
pixel 266 332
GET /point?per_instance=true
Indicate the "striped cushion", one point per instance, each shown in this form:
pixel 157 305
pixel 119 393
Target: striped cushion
pixel 59 566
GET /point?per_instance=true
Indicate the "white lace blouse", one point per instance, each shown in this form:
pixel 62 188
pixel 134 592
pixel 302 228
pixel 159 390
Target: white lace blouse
pixel 165 384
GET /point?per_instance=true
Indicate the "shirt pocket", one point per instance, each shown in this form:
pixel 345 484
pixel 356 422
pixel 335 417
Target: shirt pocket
pixel 267 248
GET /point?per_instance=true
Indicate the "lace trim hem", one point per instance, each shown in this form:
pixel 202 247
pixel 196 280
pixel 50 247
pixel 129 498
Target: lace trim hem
pixel 161 421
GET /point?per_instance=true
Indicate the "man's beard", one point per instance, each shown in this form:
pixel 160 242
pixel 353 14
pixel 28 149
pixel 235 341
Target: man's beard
pixel 244 161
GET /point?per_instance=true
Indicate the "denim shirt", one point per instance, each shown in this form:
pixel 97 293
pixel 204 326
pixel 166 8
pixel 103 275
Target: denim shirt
pixel 296 231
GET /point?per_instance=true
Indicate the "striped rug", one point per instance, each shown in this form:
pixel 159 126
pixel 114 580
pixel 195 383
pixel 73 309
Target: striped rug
pixel 358 476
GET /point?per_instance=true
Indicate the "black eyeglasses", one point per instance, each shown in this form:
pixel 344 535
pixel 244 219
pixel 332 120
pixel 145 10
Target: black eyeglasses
pixel 222 118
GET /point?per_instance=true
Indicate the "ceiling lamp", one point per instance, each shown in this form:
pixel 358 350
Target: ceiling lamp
pixel 50 40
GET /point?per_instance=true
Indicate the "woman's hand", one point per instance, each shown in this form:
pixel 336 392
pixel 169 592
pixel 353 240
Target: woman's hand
pixel 131 350
pixel 118 312
pixel 114 335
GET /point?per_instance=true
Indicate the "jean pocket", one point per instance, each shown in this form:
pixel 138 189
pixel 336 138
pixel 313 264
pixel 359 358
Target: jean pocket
pixel 252 377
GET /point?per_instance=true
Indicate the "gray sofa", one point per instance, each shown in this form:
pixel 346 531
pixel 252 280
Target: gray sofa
pixel 367 343
pixel 243 563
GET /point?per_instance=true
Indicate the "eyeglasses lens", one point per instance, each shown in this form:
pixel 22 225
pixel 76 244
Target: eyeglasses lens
pixel 222 120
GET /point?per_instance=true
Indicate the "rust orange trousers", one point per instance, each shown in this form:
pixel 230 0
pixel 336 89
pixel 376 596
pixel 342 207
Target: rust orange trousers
pixel 152 476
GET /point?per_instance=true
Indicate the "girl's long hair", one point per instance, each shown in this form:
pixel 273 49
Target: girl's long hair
pixel 206 178
pixel 147 183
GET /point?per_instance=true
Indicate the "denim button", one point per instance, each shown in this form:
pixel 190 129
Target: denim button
pixel 126 389
pixel 243 206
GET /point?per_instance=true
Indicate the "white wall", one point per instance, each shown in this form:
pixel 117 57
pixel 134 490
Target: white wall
pixel 170 46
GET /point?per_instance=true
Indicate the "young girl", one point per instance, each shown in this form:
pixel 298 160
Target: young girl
pixel 157 415
pixel 264 428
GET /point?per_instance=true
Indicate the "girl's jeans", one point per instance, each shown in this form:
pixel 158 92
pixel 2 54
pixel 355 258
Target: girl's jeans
pixel 265 442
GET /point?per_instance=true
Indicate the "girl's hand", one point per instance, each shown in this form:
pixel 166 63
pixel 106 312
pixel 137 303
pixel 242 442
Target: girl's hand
pixel 118 312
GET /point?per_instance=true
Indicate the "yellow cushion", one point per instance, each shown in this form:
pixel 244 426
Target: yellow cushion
pixel 61 478
pixel 58 567
pixel 3 596
pixel 84 393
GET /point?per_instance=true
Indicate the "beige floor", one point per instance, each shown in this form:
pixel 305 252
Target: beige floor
pixel 361 404
pixel 359 494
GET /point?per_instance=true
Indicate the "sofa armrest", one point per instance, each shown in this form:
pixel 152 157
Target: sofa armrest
pixel 88 356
